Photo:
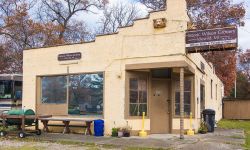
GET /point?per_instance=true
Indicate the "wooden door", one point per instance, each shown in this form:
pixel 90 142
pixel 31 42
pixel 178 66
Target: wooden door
pixel 160 107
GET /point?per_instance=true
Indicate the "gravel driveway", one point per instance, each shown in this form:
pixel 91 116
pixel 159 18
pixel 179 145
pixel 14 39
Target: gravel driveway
pixel 26 145
pixel 221 139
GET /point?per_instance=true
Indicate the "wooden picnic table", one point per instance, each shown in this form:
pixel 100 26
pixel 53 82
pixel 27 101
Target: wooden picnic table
pixel 66 124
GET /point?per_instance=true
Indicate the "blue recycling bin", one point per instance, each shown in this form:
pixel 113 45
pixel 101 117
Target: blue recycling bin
pixel 99 127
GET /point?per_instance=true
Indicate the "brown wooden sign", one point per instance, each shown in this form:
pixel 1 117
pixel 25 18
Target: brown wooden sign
pixel 69 56
pixel 212 39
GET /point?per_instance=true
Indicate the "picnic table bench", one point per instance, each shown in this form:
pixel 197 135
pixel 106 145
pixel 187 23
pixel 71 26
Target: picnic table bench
pixel 66 124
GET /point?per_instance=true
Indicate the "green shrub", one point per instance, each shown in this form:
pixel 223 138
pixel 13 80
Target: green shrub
pixel 203 128
pixel 115 132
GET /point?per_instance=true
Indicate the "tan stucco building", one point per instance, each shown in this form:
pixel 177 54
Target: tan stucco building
pixel 119 76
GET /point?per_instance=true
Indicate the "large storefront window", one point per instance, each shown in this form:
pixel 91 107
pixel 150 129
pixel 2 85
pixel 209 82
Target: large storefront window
pixel 86 94
pixel 83 93
pixel 54 90
pixel 5 89
pixel 187 98
pixel 137 96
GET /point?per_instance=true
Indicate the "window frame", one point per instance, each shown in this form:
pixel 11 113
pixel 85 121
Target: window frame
pixel 202 95
pixel 129 75
pixel 138 103
pixel 69 92
pixel 176 80
pixel 53 105
pixel 211 89
pixel 216 91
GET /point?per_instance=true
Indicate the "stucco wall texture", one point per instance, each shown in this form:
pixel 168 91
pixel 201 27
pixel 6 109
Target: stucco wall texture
pixel 137 44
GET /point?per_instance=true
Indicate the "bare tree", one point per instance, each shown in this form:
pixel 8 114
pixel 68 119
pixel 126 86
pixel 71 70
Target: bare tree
pixel 17 32
pixel 154 4
pixel 62 13
pixel 15 22
pixel 4 63
pixel 118 15
pixel 244 63
pixel 214 14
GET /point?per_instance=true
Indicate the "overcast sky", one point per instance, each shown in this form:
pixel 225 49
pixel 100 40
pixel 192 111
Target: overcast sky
pixel 244 32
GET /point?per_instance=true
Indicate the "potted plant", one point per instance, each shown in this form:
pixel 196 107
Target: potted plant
pixel 203 128
pixel 126 131
pixel 114 132
pixel 120 132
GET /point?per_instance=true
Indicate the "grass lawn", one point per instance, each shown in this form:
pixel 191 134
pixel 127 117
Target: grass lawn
pixel 237 124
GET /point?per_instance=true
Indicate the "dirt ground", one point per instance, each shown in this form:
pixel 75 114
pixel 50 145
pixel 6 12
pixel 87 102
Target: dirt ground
pixel 221 139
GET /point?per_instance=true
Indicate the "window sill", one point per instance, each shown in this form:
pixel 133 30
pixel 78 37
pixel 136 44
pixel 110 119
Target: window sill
pixel 136 117
pixel 87 116
pixel 185 117
pixel 54 103
pixel 92 117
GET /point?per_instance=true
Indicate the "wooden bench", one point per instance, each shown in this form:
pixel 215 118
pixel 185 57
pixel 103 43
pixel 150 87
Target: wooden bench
pixel 66 124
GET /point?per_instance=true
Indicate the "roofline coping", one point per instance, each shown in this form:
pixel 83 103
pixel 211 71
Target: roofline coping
pixel 138 19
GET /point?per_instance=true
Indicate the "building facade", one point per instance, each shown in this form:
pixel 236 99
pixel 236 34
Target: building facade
pixel 117 77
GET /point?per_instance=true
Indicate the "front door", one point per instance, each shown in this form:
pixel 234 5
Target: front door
pixel 160 107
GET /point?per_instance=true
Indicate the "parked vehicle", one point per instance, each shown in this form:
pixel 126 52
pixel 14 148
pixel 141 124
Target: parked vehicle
pixel 10 91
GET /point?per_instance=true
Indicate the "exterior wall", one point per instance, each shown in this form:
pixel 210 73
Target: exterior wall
pixel 138 44
pixel 211 102
pixel 194 60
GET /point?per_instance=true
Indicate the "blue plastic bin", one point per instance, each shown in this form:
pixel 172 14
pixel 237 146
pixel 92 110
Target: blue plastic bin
pixel 99 127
